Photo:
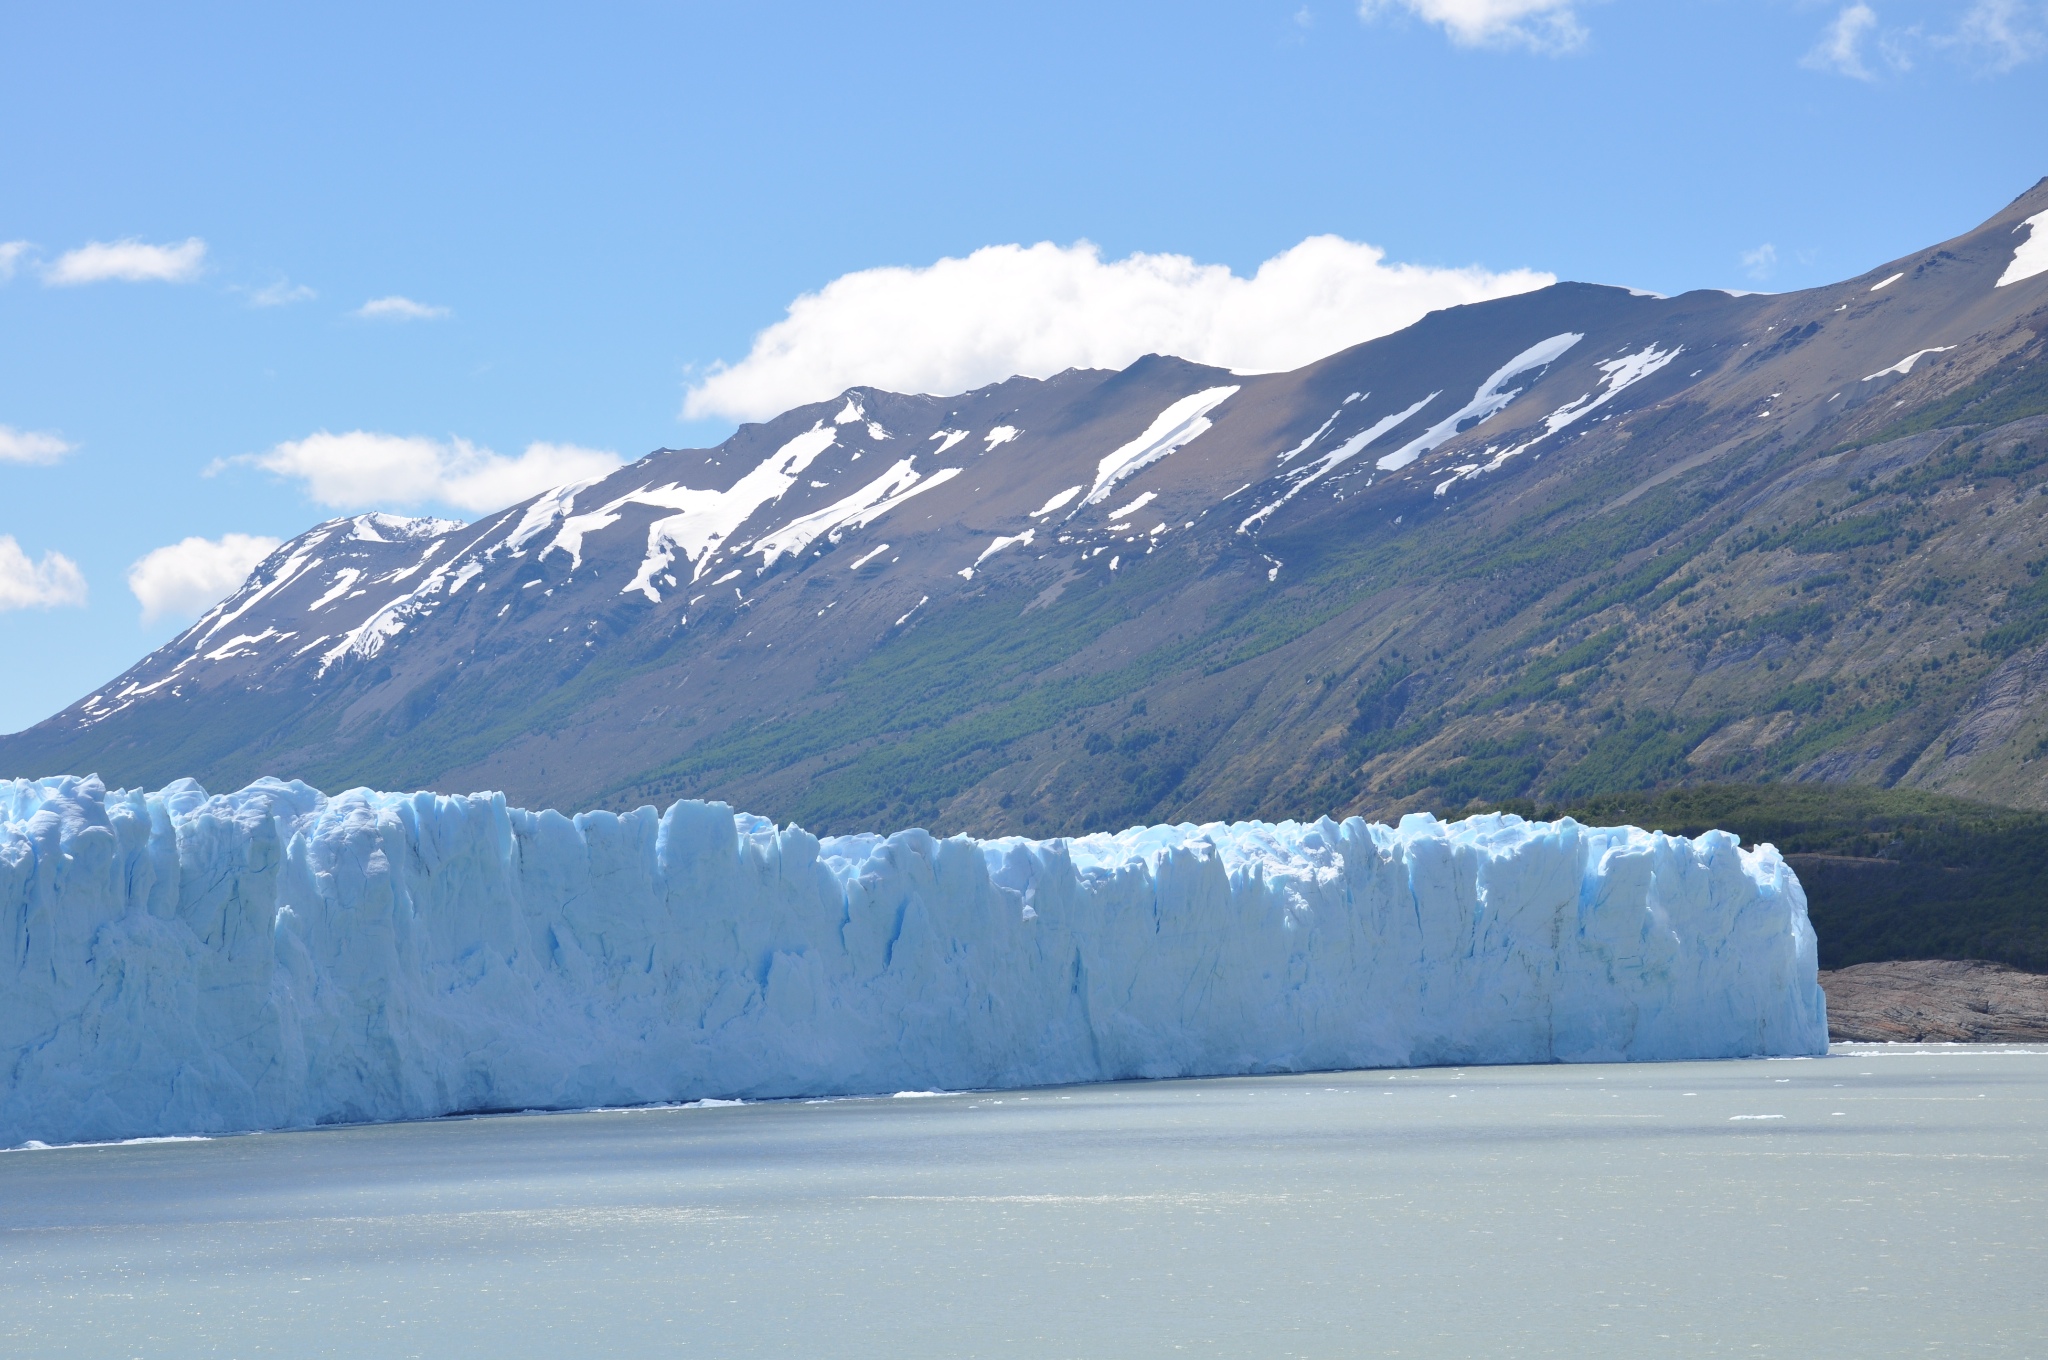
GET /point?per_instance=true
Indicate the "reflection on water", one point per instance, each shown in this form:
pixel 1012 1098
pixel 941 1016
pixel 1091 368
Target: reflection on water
pixel 1882 1201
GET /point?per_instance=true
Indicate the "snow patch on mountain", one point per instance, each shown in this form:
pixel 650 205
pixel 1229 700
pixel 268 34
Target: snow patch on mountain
pixel 1905 365
pixel 856 511
pixel 1489 401
pixel 1179 424
pixel 709 518
pixel 1010 541
pixel 2031 255
pixel 1617 376
pixel 1305 476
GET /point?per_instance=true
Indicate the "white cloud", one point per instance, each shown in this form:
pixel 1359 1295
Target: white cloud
pixel 396 308
pixel 1036 310
pixel 280 294
pixel 2001 33
pixel 192 574
pixel 10 255
pixel 1540 25
pixel 128 261
pixel 31 446
pixel 362 470
pixel 1760 263
pixel 1840 48
pixel 56 580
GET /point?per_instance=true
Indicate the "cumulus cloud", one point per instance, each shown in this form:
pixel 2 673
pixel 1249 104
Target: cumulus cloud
pixel 364 470
pixel 56 580
pixel 1036 310
pixel 396 308
pixel 127 261
pixel 31 446
pixel 10 256
pixel 191 575
pixel 1539 25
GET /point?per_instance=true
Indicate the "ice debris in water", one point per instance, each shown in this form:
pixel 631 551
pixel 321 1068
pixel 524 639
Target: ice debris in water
pixel 180 963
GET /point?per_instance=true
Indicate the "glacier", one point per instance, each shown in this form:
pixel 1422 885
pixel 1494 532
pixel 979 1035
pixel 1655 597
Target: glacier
pixel 184 963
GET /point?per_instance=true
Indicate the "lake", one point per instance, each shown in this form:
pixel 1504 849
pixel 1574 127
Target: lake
pixel 1884 1200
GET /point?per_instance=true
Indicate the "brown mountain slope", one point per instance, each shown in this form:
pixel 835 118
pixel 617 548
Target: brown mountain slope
pixel 1567 542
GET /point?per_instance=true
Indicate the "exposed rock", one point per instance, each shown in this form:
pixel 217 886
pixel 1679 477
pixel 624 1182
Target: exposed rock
pixel 1935 1000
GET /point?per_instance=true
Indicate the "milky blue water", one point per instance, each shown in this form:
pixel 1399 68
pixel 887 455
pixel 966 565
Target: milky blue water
pixel 1881 1201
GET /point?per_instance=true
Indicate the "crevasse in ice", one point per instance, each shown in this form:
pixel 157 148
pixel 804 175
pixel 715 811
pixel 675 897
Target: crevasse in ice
pixel 175 962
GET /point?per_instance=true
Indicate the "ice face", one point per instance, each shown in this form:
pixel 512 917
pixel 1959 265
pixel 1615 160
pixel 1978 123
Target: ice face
pixel 176 963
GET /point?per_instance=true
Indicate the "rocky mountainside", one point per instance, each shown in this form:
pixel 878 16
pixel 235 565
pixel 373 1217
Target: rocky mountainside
pixel 1552 545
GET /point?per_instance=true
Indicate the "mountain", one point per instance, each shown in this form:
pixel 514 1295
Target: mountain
pixel 1553 545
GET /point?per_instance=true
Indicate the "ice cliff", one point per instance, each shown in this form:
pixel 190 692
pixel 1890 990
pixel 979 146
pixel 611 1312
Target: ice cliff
pixel 175 962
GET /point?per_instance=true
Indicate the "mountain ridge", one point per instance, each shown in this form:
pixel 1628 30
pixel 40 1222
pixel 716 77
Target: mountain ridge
pixel 1555 541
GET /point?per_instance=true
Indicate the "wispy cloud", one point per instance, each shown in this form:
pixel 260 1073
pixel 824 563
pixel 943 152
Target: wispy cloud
pixel 364 470
pixel 280 294
pixel 1999 35
pixel 1760 263
pixel 1549 26
pixel 1035 310
pixel 1841 45
pixel 396 308
pixel 1991 37
pixel 187 577
pixel 127 261
pixel 10 256
pixel 32 446
pixel 26 584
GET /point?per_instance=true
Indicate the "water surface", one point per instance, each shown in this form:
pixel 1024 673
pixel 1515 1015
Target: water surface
pixel 1885 1200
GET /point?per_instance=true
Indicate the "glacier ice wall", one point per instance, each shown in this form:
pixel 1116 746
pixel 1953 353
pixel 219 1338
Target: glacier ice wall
pixel 175 962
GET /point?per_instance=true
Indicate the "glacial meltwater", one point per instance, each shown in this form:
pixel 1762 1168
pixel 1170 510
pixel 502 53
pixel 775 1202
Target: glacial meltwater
pixel 1880 1201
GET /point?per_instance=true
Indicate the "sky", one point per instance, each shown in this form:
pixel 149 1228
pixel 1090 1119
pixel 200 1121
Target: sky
pixel 262 265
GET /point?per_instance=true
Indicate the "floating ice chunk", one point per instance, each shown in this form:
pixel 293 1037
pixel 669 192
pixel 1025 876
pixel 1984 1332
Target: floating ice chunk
pixel 1179 424
pixel 1905 365
pixel 2031 257
pixel 1490 400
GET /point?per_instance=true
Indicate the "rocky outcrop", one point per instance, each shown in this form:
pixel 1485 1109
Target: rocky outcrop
pixel 1936 1000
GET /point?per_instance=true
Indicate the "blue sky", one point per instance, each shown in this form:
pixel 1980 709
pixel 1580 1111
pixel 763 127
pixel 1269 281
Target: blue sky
pixel 269 263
